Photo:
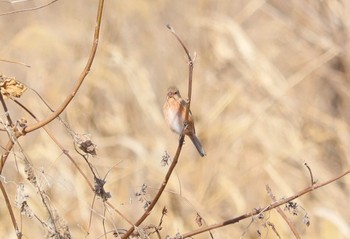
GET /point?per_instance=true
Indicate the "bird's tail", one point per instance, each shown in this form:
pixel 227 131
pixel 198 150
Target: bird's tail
pixel 198 145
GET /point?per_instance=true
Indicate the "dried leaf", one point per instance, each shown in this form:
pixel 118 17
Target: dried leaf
pixel 21 202
pixel 84 143
pixel 165 159
pixel 100 191
pixel 57 227
pixel 10 87
pixel 306 220
pixel 199 220
pixel 28 170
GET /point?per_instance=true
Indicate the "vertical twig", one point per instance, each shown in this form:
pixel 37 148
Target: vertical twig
pixel 190 70
pixel 3 159
pixel 4 106
pixel 178 151
pixel 310 172
pixel 8 204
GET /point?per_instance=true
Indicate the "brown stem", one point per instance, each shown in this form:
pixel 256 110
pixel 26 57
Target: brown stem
pixel 66 152
pixel 5 155
pixel 8 204
pixel 82 77
pixel 230 221
pixel 310 172
pixel 160 191
pixel 178 151
pixel 267 208
pixel 283 215
pixel 4 106
pixel 190 70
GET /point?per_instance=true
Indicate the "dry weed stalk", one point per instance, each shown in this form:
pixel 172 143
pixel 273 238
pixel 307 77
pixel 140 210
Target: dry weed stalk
pixel 53 227
pixel 269 207
pixel 178 151
pixel 283 215
pixel 56 227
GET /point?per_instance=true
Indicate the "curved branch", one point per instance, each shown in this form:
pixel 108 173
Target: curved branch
pixel 84 73
pixel 42 123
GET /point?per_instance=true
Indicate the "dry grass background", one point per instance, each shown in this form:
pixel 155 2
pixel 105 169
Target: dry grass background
pixel 271 91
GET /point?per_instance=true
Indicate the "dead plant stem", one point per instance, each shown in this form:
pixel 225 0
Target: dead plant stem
pixel 267 208
pixel 81 79
pixel 178 151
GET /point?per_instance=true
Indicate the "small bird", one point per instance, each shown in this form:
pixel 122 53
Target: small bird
pixel 174 113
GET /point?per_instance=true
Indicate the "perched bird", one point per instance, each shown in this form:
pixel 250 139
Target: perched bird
pixel 174 113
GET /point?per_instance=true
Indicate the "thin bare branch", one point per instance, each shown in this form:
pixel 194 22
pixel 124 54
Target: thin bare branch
pixel 190 69
pixel 180 41
pixel 310 172
pixel 66 152
pixel 4 106
pixel 160 191
pixel 9 208
pixel 267 208
pixel 5 155
pixel 178 151
pixel 16 62
pixel 82 77
pixel 28 9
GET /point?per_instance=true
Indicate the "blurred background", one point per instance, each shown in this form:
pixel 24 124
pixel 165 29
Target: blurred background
pixel 270 93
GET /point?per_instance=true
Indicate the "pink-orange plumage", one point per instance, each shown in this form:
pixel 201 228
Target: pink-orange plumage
pixel 174 110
